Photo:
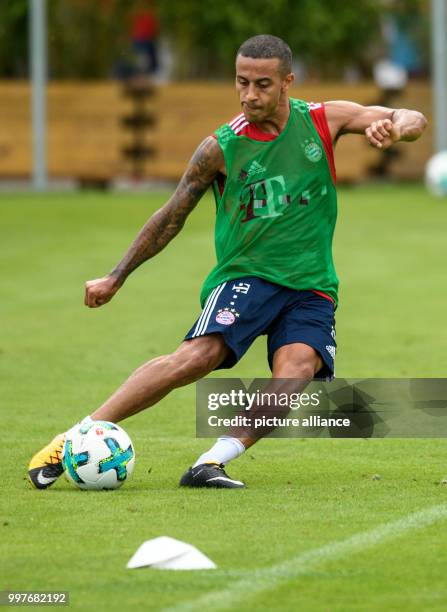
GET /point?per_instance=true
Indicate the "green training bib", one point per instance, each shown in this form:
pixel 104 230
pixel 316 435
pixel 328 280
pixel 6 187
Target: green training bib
pixel 276 216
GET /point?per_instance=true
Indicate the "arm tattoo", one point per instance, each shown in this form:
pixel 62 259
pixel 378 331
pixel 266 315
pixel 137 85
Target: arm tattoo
pixel 166 222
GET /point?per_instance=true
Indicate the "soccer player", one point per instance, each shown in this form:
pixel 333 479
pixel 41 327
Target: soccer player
pixel 273 175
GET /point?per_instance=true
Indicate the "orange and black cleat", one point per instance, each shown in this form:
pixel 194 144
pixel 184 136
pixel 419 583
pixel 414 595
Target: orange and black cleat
pixel 46 465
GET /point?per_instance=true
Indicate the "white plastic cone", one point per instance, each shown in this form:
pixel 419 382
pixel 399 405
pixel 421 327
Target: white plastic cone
pixel 168 553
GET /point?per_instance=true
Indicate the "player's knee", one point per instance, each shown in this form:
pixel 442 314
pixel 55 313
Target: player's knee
pixel 303 370
pixel 207 355
pixel 296 361
pixel 306 370
pixel 197 358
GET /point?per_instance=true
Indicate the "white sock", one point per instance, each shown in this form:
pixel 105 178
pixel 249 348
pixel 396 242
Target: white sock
pixel 225 449
pixel 85 421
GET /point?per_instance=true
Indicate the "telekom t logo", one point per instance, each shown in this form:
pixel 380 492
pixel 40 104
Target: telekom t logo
pixel 267 197
pixel 241 288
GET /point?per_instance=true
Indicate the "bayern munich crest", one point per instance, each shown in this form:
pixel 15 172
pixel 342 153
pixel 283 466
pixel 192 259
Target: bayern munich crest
pixel 312 150
pixel 226 316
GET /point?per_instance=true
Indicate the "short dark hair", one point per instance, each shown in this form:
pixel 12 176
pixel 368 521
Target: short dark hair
pixel 266 46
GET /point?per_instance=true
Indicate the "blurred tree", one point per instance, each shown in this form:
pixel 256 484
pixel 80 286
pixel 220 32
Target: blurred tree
pixel 86 37
pixel 89 38
pixel 14 38
pixel 326 34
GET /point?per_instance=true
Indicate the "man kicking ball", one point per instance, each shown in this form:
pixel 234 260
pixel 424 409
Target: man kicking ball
pixel 273 175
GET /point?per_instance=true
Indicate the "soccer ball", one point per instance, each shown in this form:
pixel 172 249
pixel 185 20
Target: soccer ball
pixel 98 455
pixel 436 174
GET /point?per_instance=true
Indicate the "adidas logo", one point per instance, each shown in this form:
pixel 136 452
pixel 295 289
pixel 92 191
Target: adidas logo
pixel 255 169
pixel 331 350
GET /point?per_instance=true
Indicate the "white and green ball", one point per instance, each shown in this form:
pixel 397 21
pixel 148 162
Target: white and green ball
pixel 98 455
pixel 436 174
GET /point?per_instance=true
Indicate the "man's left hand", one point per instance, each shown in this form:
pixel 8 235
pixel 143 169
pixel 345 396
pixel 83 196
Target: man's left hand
pixel 382 134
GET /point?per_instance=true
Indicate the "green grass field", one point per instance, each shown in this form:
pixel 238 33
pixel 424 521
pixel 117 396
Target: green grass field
pixel 316 529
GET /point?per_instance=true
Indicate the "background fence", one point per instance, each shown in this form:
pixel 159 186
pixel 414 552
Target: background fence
pixel 87 131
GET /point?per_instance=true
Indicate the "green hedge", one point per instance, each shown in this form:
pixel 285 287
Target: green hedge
pixel 87 38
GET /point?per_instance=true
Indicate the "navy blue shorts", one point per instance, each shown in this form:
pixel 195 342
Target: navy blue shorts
pixel 243 309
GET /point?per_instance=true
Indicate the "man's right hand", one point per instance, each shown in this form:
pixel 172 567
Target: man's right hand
pixel 100 291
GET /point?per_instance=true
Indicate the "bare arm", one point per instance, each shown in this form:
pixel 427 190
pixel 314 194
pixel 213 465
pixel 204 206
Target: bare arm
pixel 382 126
pixel 164 224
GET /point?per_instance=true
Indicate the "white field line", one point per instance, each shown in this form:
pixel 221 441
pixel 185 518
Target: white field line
pixel 271 577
